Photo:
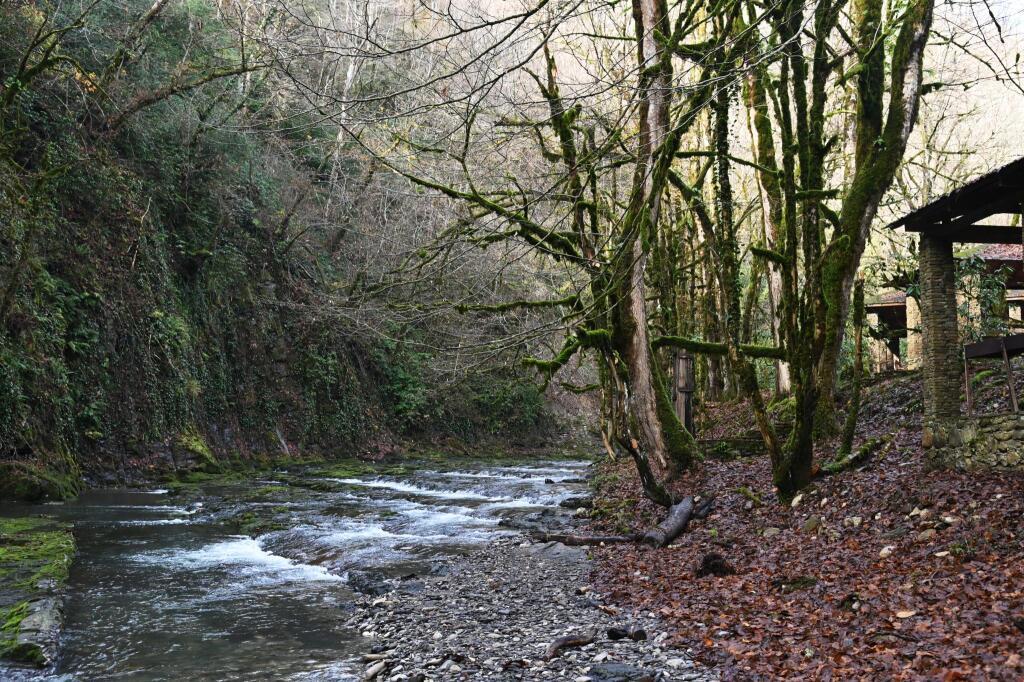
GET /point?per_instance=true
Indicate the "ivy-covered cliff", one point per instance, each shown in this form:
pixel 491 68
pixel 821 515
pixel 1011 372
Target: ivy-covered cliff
pixel 170 262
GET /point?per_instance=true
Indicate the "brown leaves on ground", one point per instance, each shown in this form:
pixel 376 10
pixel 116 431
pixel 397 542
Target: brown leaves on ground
pixel 893 571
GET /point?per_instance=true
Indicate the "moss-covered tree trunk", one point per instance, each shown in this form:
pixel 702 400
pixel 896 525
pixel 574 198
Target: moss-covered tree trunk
pixel 653 434
pixel 853 407
pixel 815 305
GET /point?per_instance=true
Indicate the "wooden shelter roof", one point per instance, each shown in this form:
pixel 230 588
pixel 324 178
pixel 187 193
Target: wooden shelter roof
pixel 887 299
pixel 955 216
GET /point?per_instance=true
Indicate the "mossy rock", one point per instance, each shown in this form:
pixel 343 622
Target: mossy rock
pixel 194 445
pixel 35 556
pixel 33 550
pixel 35 481
pixel 268 492
pixel 252 524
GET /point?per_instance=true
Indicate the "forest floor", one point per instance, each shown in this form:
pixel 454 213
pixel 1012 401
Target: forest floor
pixel 888 571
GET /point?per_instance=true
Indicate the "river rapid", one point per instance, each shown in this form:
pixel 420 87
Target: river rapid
pixel 167 586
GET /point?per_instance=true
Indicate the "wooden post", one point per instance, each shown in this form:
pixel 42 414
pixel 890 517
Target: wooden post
pixel 683 388
pixel 1009 378
pixel 967 384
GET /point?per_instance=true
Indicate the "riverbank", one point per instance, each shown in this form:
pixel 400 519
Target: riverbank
pixel 890 570
pixel 204 576
pixel 499 613
pixel 35 556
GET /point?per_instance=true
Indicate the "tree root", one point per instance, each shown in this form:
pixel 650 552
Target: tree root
pixel 568 642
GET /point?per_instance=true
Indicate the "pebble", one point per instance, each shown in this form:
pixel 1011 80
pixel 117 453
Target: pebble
pixel 492 615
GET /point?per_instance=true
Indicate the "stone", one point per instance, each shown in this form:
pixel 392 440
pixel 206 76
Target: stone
pixel 620 672
pixel 770 532
pixel 812 524
pixel 886 552
pixel 852 521
pixel 926 534
pixel 374 670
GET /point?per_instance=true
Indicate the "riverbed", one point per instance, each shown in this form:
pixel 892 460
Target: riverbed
pixel 258 579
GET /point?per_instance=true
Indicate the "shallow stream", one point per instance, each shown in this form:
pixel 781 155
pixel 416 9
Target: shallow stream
pixel 166 587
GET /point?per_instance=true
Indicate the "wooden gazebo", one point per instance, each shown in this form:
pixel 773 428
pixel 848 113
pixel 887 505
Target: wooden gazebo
pixel 977 213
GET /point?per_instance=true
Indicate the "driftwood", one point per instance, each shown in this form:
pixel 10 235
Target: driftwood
pixel 633 632
pixel 568 642
pixel 679 516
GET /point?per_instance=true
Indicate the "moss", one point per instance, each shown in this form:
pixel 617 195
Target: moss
pixel 267 492
pixel 350 468
pixel 191 441
pixel 253 524
pixel 34 549
pixel 9 647
pixel 35 556
pixel 51 475
pixel 783 410
pixel 682 448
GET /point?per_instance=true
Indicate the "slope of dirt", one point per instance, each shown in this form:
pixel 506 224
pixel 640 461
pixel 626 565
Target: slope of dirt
pixel 889 571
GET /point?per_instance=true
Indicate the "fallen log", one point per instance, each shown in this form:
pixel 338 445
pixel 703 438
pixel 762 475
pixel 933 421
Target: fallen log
pixel 679 516
pixel 581 540
pixel 567 642
pixel 865 452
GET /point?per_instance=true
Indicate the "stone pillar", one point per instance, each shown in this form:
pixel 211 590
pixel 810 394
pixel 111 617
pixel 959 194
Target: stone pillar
pixel 914 343
pixel 873 344
pixel 940 342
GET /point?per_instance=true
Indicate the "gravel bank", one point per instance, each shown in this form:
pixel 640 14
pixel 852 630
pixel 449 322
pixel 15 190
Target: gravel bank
pixel 494 615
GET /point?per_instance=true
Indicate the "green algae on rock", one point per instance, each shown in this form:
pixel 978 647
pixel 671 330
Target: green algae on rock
pixel 35 555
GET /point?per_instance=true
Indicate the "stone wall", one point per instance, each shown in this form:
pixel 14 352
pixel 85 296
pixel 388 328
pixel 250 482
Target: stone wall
pixel 983 443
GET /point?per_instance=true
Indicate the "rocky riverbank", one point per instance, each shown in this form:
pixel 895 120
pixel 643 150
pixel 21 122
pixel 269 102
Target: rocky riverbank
pixel 500 614
pixel 35 553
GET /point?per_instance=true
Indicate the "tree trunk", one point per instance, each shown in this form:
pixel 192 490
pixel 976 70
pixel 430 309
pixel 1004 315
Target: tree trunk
pixel 852 410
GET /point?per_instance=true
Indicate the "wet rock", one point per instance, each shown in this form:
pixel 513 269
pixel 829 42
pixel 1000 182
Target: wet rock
pixel 577 502
pixel 367 583
pixel 619 672
pixel 374 670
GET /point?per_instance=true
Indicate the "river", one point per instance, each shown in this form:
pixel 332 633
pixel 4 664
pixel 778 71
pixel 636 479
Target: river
pixel 165 587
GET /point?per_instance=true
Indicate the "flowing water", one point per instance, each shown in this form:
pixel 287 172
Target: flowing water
pixel 165 588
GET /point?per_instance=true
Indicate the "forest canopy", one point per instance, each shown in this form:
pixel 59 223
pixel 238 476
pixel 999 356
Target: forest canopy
pixel 516 197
